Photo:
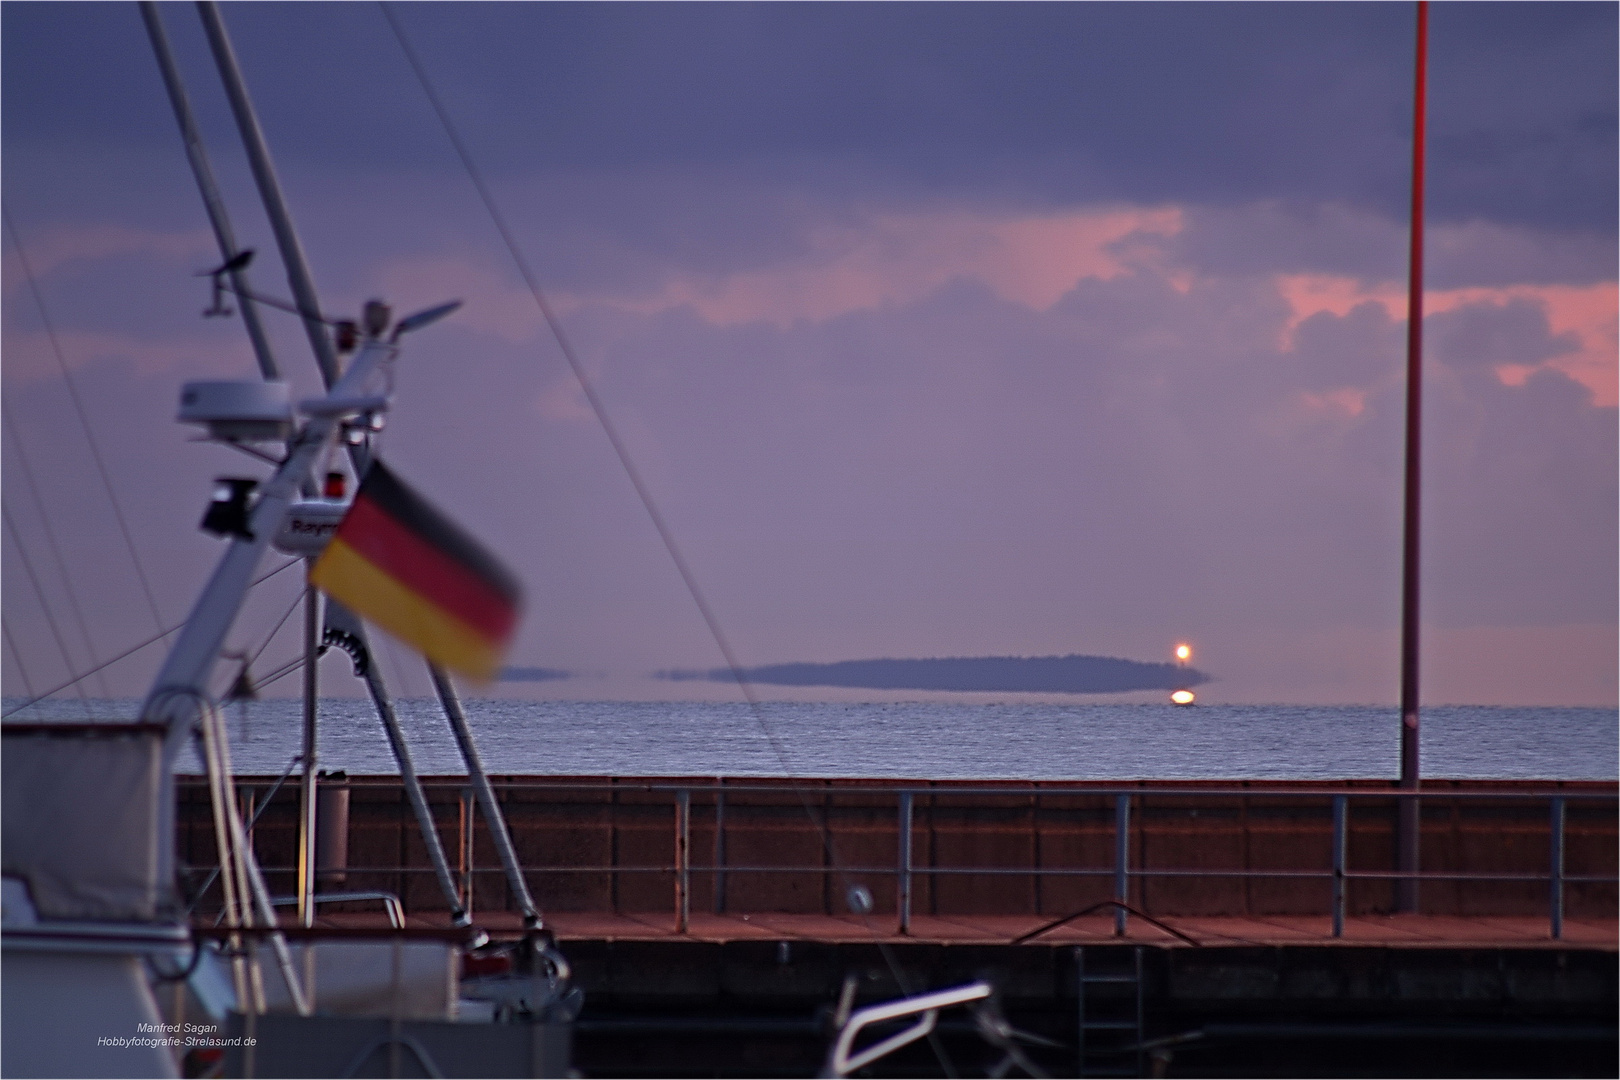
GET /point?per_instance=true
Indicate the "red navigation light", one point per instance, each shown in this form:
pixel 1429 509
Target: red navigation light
pixel 334 487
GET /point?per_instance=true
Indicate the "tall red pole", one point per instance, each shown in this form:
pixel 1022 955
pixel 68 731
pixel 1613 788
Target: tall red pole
pixel 1410 820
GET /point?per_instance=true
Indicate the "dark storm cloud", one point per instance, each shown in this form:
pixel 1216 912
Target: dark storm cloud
pixel 1483 337
pixel 1031 103
pixel 1275 236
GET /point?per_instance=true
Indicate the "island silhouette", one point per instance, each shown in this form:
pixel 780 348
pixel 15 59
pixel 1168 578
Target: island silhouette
pixel 1073 674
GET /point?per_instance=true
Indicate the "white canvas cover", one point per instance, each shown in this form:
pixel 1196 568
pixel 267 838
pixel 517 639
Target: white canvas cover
pixel 83 819
pixel 411 980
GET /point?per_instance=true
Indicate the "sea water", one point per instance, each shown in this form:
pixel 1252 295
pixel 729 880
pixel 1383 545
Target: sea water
pixel 922 740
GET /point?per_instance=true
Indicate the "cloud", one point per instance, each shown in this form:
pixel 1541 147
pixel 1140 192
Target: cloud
pixel 1582 317
pixel 30 355
pixel 1485 253
pixel 65 246
pixel 494 303
pixel 897 259
pixel 110 290
pixel 1341 239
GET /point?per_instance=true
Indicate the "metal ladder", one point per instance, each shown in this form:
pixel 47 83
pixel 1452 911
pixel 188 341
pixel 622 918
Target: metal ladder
pixel 1110 1011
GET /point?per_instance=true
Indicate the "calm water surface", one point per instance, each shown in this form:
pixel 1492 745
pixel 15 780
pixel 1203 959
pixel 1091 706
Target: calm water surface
pixel 928 740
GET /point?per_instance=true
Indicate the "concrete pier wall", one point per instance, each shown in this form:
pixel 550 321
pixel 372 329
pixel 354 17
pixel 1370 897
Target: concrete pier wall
pixel 568 835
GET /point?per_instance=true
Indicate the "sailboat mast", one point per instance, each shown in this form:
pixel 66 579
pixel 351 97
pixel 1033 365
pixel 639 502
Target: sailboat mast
pixel 264 174
pixel 212 201
pixel 1410 818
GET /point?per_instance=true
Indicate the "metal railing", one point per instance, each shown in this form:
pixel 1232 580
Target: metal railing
pixel 1338 872
pixel 391 905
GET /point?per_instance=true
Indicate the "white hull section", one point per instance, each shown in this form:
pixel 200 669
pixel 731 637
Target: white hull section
pixel 79 1014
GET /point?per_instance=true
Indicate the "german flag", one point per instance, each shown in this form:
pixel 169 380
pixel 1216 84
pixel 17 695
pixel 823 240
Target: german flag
pixel 403 565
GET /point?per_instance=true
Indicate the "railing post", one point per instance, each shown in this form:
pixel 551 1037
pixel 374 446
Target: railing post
pixel 465 862
pixel 903 892
pixel 1122 860
pixel 683 860
pixel 1341 838
pixel 719 851
pixel 1556 869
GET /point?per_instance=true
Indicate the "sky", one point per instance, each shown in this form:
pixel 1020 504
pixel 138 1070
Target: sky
pixel 935 330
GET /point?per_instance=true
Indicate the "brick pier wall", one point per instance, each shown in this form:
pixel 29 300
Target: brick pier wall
pixel 565 836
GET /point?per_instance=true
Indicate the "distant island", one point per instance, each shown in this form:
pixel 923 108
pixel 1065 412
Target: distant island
pixel 1006 674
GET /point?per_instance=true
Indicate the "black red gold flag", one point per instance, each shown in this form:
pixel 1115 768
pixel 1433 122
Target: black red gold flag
pixel 401 564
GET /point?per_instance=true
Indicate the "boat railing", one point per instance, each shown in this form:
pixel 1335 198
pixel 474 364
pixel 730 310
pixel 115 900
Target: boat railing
pixel 915 809
pixel 390 902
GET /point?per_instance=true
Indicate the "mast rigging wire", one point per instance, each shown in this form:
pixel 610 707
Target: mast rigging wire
pixel 16 654
pixel 264 804
pixel 132 650
pixel 281 672
pixel 45 604
pixel 51 542
pixel 249 661
pixel 84 420
pixel 636 481
pixel 250 658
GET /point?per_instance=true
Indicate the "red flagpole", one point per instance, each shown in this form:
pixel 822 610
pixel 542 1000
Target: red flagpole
pixel 1410 821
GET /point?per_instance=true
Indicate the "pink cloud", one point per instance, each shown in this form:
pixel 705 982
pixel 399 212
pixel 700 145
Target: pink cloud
pixel 1346 401
pixel 29 356
pixel 563 400
pixel 1031 260
pixel 1313 294
pixel 63 246
pixel 1585 312
pixel 494 304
